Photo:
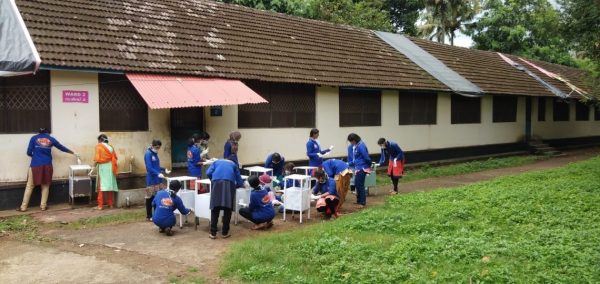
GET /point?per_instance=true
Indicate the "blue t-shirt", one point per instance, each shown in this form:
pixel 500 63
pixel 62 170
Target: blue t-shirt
pixel 40 149
pixel 225 170
pixel 153 168
pixel 229 154
pixel 164 205
pixel 328 186
pixel 261 206
pixel 361 159
pixel 391 152
pixel 193 158
pixel 334 167
pixel 313 148
pixel 277 168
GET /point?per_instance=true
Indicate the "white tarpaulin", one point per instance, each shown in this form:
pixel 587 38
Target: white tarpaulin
pixel 18 55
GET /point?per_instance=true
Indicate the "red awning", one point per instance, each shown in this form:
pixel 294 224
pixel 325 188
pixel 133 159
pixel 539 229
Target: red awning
pixel 165 91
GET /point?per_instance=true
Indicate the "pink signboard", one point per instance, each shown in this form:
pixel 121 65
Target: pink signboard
pixel 71 96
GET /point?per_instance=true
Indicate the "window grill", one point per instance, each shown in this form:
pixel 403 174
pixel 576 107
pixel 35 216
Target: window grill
pixel 560 110
pixel 359 107
pixel 541 109
pixel 417 108
pixel 290 105
pixel 504 108
pixel 465 109
pixel 121 107
pixel 582 111
pixel 25 103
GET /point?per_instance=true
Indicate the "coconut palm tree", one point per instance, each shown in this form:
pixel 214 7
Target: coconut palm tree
pixel 443 18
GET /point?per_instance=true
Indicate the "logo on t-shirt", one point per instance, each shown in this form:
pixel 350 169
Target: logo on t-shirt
pixel 167 201
pixel 189 154
pixel 266 199
pixel 45 142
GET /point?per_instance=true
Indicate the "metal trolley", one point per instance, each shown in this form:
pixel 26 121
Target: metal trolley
pixel 80 183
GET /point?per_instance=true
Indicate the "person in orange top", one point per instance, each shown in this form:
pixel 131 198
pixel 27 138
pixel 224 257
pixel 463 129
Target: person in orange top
pixel 106 165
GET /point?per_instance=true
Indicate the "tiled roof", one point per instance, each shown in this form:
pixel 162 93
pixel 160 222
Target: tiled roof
pixel 213 39
pixel 487 70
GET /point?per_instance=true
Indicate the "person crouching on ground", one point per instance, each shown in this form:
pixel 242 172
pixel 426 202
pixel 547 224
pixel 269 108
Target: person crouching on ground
pixel 225 178
pixel 260 211
pixel 266 184
pixel 164 203
pixel 328 196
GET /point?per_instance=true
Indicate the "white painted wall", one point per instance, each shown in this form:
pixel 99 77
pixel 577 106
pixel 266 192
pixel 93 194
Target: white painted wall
pixel 551 129
pixel 77 125
pixel 256 144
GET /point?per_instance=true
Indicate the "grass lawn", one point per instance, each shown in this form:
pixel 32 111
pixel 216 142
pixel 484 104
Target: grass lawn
pixel 529 228
pixel 428 171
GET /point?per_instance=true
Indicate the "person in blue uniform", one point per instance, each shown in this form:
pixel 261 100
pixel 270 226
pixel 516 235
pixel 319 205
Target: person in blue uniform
pixel 196 155
pixel 362 166
pixel 260 211
pixel 164 203
pixel 230 149
pixel 342 175
pixel 392 152
pixel 313 149
pixel 350 160
pixel 276 162
pixel 40 168
pixel 328 195
pixel 225 178
pixel 154 174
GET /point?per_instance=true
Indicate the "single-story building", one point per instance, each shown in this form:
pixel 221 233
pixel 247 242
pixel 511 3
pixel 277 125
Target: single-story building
pixel 127 63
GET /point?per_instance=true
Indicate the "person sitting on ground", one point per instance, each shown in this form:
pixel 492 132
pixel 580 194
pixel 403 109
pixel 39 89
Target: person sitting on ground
pixel 266 184
pixel 328 196
pixel 260 210
pixel 165 202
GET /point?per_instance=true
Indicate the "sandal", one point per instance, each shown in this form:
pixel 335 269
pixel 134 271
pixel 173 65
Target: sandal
pixel 270 224
pixel 226 235
pixel 21 210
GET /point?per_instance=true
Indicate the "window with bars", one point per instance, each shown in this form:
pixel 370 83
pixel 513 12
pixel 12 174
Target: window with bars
pixel 560 110
pixel 417 108
pixel 25 103
pixel 541 109
pixel 504 108
pixel 121 107
pixel 582 111
pixel 465 109
pixel 360 107
pixel 290 105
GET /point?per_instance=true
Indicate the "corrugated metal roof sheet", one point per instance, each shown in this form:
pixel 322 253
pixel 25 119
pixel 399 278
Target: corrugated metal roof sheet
pixel 164 91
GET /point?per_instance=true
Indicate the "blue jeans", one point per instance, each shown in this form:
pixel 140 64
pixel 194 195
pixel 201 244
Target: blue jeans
pixel 359 183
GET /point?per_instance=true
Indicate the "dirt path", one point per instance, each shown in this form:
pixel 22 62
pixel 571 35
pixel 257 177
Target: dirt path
pixel 137 253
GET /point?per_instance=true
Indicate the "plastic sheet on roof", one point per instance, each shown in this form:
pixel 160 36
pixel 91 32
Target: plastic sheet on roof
pixel 432 65
pixel 19 56
pixel 548 86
